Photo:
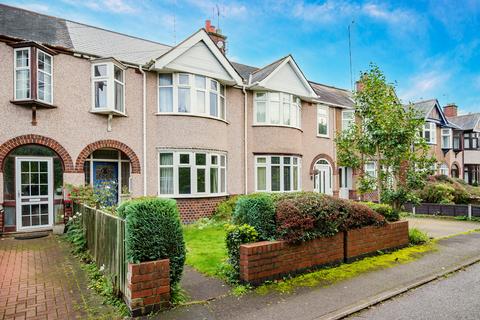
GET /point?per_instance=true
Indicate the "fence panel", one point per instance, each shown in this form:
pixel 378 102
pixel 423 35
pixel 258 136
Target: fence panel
pixel 476 211
pixel 105 236
pixel 449 210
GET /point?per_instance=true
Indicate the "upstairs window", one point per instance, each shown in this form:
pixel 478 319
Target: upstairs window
pixel 457 140
pixel 108 88
pixel 348 119
pixel 322 121
pixel 471 140
pixel 192 94
pixel 33 60
pixel 371 169
pixel 277 108
pixel 429 132
pixel 447 138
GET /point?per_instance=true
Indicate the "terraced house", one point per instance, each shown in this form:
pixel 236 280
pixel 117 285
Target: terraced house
pixel 84 105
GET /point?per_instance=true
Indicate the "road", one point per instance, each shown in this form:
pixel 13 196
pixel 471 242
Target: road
pixel 453 297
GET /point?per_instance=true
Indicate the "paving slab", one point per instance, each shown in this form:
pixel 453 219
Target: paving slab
pixel 201 287
pixel 438 227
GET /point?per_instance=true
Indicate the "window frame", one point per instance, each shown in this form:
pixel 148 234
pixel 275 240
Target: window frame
pixel 51 76
pixel 347 120
pixel 15 69
pixel 295 108
pixel 268 172
pixel 109 78
pixel 448 135
pixel 444 167
pixel 326 116
pixel 221 165
pixel 193 89
pixel 373 172
pixel 432 130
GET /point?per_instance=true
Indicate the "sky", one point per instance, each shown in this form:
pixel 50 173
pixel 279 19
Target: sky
pixel 427 48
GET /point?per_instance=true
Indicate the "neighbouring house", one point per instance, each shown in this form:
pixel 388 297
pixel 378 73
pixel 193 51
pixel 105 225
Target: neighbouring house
pixel 470 125
pixel 85 105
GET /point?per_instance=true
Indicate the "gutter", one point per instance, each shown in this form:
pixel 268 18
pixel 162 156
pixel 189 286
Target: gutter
pixel 144 127
pixel 245 138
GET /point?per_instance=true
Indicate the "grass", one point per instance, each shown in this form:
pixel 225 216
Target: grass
pixel 205 247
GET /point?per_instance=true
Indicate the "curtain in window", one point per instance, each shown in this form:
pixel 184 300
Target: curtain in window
pixel 213 180
pixel 166 173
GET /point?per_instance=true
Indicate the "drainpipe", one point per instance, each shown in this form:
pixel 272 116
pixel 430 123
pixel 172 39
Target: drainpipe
pixel 144 127
pixel 245 139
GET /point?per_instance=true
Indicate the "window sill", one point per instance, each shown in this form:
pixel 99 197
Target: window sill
pixel 108 111
pixel 186 114
pixel 276 125
pixel 192 196
pixel 33 103
pixel 323 136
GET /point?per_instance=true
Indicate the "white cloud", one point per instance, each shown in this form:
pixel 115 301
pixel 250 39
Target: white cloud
pixel 114 6
pixel 425 85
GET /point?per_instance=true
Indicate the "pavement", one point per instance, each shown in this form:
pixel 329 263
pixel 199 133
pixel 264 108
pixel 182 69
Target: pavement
pixel 343 298
pixel 453 297
pixel 439 227
pixel 40 279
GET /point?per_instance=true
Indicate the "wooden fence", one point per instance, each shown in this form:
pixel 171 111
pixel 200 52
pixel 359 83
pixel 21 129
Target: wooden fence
pixel 449 210
pixel 105 235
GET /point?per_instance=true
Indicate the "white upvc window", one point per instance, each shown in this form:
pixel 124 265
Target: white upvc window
pixel 430 133
pixel 323 127
pixel 371 169
pixel 443 169
pixel 108 87
pixel 277 173
pixel 192 94
pixel 44 77
pixel 277 108
pixel 348 119
pixel 186 173
pixel 447 138
pixel 22 74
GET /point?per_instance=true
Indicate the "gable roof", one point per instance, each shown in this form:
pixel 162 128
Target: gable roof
pixel 243 70
pixel 426 107
pixel 262 73
pixel 332 95
pixel 467 121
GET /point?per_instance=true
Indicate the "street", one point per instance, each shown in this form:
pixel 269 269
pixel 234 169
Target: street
pixel 454 297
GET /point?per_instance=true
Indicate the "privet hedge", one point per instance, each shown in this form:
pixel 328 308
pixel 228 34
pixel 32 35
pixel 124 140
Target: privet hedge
pixel 258 211
pixel 154 232
pixel 236 236
pixel 385 210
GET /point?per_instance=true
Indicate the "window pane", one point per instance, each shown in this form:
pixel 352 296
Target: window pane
pixel 275 178
pixel 22 59
pixel 119 97
pixel 262 160
pixel 295 178
pixel 44 87
pixel 201 101
pixel 185 158
pixel 214 159
pixel 276 160
pixel 166 180
pixel 125 174
pixel 214 85
pixel 222 161
pixel 200 159
pixel 118 73
pixel 286 114
pixel 166 99
pixel 261 178
pixel 100 94
pixel 183 100
pixel 222 89
pixel 286 178
pixel 213 180
pixel 261 112
pixel 165 79
pixel 275 112
pixel 184 180
pixel 201 180
pixel 166 159
pixel 22 85
pixel 213 104
pixel 44 62
pixel 105 154
pixel 261 96
pixel 200 82
pixel 183 79
pixel 222 108
pixel 100 70
pixel 222 180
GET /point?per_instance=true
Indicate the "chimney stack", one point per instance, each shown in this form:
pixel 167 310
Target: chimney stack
pixel 450 110
pixel 216 35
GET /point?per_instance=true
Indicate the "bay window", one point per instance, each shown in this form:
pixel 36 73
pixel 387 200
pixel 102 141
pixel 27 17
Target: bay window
pixel 44 77
pixel 348 119
pixel 447 138
pixel 277 173
pixel 277 108
pixel 429 132
pixel 192 173
pixel 322 121
pixel 22 73
pixel 192 94
pixel 470 140
pixel 108 88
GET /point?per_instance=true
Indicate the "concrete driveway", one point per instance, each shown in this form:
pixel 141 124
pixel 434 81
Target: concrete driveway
pixel 438 227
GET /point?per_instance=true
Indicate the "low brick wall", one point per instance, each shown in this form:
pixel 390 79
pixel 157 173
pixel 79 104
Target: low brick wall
pixel 148 286
pixel 270 260
pixel 193 209
pixel 368 240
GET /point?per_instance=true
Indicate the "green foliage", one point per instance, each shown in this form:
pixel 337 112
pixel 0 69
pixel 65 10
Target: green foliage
pixel 385 210
pixel 81 194
pixel 437 193
pixel 417 237
pixel 154 232
pixel 76 234
pixel 225 209
pixel 386 132
pixel 258 211
pixel 237 235
pixel 103 197
pixel 445 190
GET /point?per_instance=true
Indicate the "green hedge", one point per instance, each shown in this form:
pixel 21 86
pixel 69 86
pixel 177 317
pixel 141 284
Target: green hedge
pixel 385 210
pixel 258 211
pixel 154 232
pixel 236 236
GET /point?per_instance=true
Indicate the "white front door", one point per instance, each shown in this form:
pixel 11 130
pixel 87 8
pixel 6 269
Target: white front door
pixel 34 188
pixel 346 178
pixel 323 178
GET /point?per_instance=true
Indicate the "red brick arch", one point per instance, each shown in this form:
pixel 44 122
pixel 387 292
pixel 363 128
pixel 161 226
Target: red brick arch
pixel 13 143
pixel 322 156
pixel 114 144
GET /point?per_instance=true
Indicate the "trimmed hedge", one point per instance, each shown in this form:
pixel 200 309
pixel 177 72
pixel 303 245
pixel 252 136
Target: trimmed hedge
pixel 385 210
pixel 258 211
pixel 154 232
pixel 236 236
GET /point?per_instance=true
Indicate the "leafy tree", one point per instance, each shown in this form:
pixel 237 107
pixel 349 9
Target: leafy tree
pixel 387 133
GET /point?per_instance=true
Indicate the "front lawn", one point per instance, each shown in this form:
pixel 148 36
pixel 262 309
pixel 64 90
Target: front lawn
pixel 205 247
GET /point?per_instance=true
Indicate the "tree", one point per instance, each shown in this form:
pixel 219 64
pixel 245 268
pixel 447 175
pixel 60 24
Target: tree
pixel 385 133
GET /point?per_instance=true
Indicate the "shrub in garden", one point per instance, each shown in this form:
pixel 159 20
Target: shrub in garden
pixel 236 236
pixel 359 216
pixel 258 211
pixel 154 232
pixel 385 210
pixel 224 210
pixel 437 193
pixel 417 237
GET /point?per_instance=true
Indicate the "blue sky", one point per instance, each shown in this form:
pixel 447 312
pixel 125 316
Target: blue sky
pixel 430 49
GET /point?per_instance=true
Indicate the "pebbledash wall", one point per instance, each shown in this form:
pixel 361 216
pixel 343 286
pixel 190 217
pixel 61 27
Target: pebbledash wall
pixel 269 260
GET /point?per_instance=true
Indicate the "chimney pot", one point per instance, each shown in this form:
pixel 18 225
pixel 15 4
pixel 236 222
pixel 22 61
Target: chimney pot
pixel 450 110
